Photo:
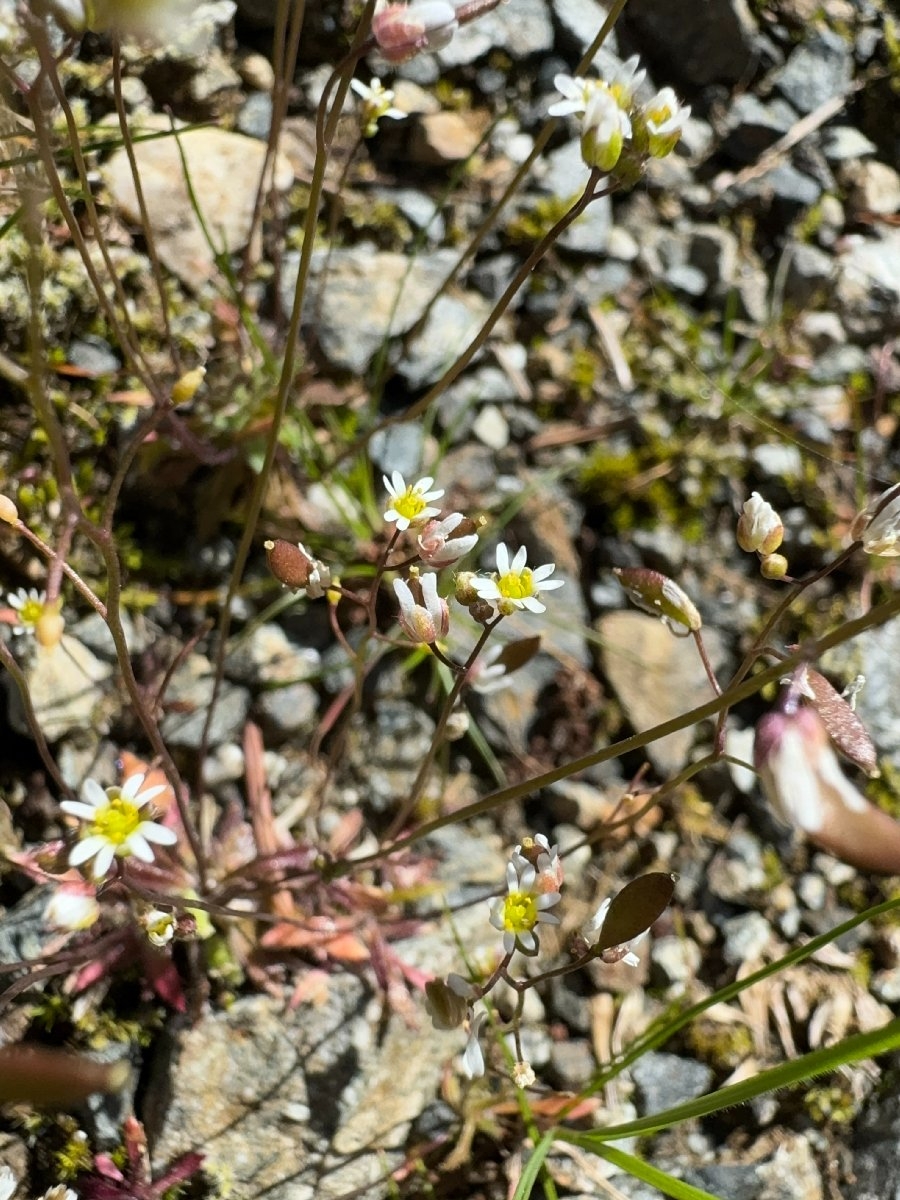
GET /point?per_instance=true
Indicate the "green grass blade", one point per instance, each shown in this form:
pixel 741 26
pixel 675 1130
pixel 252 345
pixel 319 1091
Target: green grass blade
pixel 533 1165
pixel 667 1184
pixel 789 1074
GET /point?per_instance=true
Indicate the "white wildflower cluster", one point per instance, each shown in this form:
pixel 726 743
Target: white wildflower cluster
pixel 424 614
pixel 534 880
pixel 35 616
pixel 618 132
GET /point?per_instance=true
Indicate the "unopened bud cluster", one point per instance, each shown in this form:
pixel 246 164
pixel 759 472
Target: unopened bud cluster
pixel 760 531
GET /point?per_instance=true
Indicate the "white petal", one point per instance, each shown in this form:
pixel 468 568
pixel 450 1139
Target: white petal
pixel 518 563
pixel 540 573
pixel 531 604
pixel 473 1059
pixel 550 585
pixel 94 794
pixel 512 877
pixel 86 849
pixel 162 835
pixel 137 846
pixel 103 861
pixel 132 786
pixel 75 808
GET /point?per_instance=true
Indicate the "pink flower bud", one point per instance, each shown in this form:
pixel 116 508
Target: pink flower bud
pixel 807 790
pixel 657 594
pixel 404 30
pixel 442 543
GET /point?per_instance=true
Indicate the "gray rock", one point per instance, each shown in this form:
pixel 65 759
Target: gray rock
pixel 842 143
pixel 714 251
pixel 224 170
pixel 738 873
pixel 664 1080
pixel 459 404
pixel 783 189
pixel 674 960
pixel 867 291
pixel 564 174
pixel 754 124
pixel 819 68
pixel 255 116
pixel 656 676
pixel 808 275
pixel 64 683
pixel 93 632
pixel 399 448
pixel 709 44
pixel 451 326
pixel 579 22
pixel 384 751
pixel 418 208
pixel 199 30
pixel 368 297
pixel 267 656
pixel 289 710
pixel 529 33
pixel 747 937
pixel 297 1103
pixel 572 1063
pixel 878 704
pixel 93 355
pixel 191 691
pixel 791 1173
pixel 874 187
pixel 838 363
pixel 491 428
pixel 777 460
pixel 735 1181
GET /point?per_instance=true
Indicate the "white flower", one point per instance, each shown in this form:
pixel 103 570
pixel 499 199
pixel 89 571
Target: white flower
pixel 523 907
pixel 8 1183
pixel 116 827
pixel 424 615
pixel 544 858
pixel 29 606
pixel 60 1192
pixel 486 675
pixel 879 525
pixel 624 953
pixel 159 926
pixel 73 906
pixel 515 585
pixel 473 1058
pixel 377 102
pixel 604 128
pixel 410 503
pixel 625 79
pixel 523 1075
pixel 442 543
pixel 575 92
pixel 759 526
pixel 665 118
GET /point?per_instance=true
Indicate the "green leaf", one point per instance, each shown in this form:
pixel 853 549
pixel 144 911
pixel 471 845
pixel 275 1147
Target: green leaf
pixel 635 908
pixel 667 1184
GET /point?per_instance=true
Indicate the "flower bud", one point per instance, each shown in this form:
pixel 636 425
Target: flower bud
pixel 759 528
pixel 446 1007
pixel 662 597
pixel 773 566
pixel 424 615
pixel 463 590
pixel 442 543
pixel 404 30
pixel 48 628
pixel 878 526
pixel 604 129
pixel 8 511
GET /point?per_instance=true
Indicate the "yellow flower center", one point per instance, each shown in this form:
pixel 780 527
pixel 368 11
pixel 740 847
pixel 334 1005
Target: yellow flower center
pixel 520 912
pixel 31 612
pixel 410 504
pixel 117 821
pixel 659 116
pixel 515 585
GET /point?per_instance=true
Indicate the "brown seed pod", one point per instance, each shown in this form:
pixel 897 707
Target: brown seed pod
pixel 55 1078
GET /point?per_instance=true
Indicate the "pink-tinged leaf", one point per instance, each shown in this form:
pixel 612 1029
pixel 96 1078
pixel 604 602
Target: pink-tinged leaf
pixel 844 727
pixel 160 972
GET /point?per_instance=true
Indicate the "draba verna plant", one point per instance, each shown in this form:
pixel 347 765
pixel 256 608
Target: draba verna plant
pixel 408 444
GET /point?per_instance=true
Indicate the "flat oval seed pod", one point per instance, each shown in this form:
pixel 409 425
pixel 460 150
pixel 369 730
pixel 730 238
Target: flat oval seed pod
pixel 54 1078
pixel 634 909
